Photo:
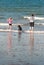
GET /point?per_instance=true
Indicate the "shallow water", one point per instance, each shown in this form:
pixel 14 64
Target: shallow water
pixel 21 48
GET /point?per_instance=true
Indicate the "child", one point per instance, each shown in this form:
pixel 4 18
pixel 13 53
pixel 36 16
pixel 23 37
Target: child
pixel 10 22
pixel 19 28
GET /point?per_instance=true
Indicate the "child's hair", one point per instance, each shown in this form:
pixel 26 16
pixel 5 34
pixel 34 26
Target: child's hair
pixel 10 17
pixel 19 27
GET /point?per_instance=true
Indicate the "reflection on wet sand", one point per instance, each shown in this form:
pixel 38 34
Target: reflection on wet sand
pixel 19 35
pixel 9 41
pixel 31 42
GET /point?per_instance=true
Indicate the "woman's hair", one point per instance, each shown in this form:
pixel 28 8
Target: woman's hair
pixel 32 14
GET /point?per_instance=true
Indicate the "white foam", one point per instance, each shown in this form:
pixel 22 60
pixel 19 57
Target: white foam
pixel 28 31
pixel 36 18
pixel 6 24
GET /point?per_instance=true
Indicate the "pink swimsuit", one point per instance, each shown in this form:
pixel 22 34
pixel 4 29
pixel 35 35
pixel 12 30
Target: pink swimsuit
pixel 10 21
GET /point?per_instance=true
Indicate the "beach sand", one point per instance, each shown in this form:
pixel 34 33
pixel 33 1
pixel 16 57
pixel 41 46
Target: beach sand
pixel 21 48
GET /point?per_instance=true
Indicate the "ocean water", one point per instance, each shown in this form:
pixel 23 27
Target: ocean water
pixel 17 9
pixel 21 48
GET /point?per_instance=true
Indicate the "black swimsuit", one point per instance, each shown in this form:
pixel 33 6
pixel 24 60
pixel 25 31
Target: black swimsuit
pixel 19 28
pixel 32 24
pixel 10 24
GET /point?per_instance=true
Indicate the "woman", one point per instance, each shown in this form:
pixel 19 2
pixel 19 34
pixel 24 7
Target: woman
pixel 32 21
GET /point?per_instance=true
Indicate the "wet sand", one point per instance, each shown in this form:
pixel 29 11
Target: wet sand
pixel 21 48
